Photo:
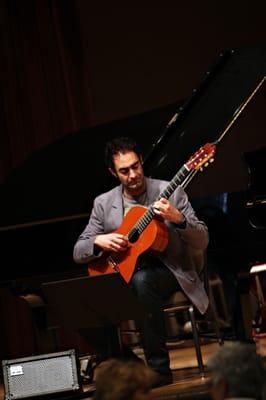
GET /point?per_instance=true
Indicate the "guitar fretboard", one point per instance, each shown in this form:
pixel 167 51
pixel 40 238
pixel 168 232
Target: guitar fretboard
pixel 181 176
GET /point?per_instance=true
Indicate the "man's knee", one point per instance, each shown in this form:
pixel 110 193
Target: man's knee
pixel 141 280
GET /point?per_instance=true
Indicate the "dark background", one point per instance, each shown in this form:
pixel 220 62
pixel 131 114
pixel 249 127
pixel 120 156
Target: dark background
pixel 69 65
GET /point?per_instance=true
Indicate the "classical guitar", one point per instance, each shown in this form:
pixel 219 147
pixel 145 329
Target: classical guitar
pixel 144 232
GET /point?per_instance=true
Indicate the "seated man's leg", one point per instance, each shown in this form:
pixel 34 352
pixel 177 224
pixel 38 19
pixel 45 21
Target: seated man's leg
pixel 104 341
pixel 152 285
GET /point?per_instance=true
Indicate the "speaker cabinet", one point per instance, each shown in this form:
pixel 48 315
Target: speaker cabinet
pixel 54 373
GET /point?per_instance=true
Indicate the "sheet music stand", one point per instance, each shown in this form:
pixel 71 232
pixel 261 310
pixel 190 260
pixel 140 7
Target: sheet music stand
pixel 97 301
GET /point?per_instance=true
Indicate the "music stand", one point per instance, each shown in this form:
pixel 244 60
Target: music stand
pixel 91 301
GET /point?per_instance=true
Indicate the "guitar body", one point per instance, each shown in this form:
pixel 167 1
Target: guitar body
pixel 154 237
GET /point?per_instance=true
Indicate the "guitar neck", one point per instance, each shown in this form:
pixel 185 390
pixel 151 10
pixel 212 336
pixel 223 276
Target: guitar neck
pixel 181 176
pixel 179 179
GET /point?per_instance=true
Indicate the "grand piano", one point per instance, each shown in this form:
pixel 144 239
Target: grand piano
pixel 46 201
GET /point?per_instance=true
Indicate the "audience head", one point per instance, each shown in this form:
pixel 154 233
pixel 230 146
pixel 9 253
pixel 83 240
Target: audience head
pixel 123 380
pixel 237 371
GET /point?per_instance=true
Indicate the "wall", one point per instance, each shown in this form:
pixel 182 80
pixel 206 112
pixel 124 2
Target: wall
pixel 68 65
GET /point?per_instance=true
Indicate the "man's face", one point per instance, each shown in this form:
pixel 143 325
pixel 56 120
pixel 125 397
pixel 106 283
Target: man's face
pixel 128 169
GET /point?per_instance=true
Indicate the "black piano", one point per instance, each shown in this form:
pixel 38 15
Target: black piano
pixel 46 201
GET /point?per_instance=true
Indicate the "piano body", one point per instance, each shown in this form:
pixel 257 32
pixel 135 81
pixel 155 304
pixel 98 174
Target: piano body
pixel 46 202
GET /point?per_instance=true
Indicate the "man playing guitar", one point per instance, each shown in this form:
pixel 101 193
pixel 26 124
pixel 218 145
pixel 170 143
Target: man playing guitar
pixel 149 227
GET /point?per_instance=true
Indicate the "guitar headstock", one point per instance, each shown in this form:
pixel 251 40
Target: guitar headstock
pixel 202 157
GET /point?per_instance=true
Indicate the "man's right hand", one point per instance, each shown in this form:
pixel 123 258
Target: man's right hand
pixel 112 242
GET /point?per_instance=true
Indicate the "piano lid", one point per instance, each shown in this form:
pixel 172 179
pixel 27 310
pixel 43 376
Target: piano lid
pixel 209 114
pixel 62 179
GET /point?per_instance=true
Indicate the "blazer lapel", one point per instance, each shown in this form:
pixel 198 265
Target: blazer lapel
pixel 117 207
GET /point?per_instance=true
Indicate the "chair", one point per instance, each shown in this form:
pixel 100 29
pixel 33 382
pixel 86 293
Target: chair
pixel 179 302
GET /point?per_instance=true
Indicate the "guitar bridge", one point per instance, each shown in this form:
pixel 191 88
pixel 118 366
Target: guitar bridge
pixel 113 264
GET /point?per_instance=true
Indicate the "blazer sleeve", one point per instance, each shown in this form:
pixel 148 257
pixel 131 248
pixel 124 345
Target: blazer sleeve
pixel 195 234
pixel 84 247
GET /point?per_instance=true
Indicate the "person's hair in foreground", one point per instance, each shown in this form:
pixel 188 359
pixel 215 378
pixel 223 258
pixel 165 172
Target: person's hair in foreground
pixel 237 371
pixel 123 380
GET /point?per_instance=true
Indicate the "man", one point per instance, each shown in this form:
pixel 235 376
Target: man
pixel 237 372
pixel 156 275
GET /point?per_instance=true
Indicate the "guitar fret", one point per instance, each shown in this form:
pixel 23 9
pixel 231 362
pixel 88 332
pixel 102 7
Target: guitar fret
pixel 142 224
pixel 144 220
pixel 167 192
pixel 182 177
pixel 171 187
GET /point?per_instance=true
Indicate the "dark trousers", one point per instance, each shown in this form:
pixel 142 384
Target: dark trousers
pixel 104 340
pixel 153 284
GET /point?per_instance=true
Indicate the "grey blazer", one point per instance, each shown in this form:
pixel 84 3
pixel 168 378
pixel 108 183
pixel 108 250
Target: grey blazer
pixel 184 252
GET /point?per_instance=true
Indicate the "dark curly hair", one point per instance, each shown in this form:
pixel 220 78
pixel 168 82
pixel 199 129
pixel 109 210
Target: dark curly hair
pixel 117 145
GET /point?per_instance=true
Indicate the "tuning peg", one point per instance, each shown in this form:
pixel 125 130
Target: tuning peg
pixel 211 160
pixel 206 164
